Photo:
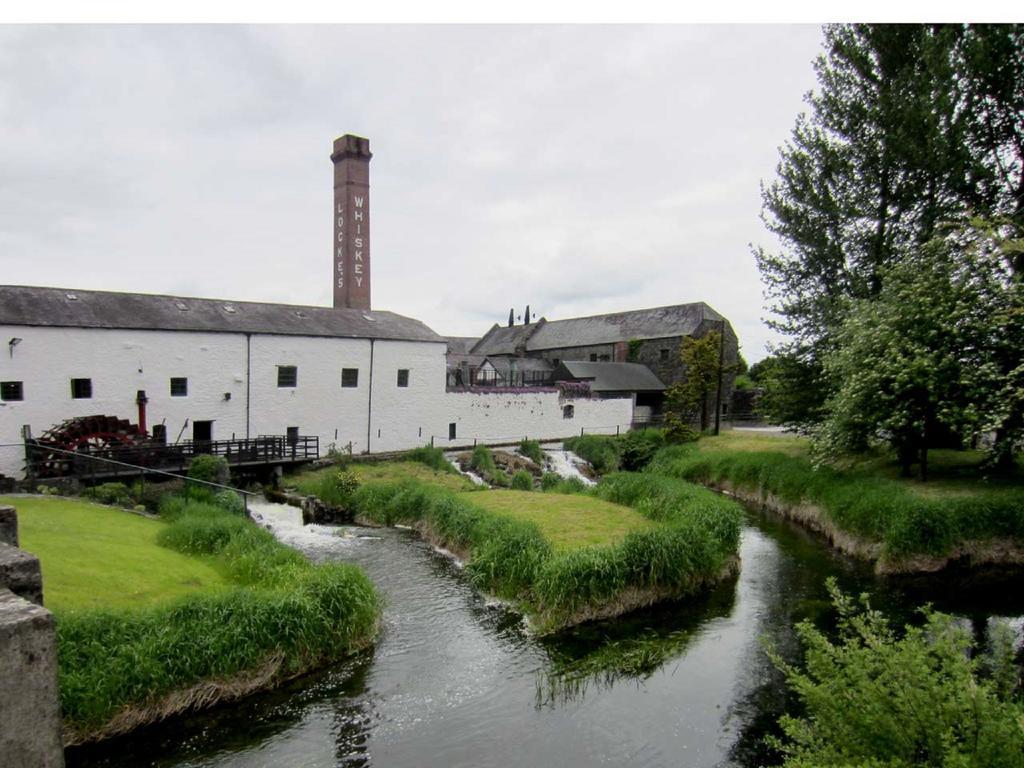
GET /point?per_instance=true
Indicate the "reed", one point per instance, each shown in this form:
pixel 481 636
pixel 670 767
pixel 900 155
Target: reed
pixel 282 610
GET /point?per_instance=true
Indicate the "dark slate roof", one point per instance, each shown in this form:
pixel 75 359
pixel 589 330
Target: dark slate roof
pixel 505 340
pixel 460 345
pixel 612 377
pixel 72 308
pixel 654 323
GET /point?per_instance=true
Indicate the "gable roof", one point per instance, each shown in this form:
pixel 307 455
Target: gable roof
pixel 506 340
pixel 611 377
pixel 72 308
pixel 460 345
pixel 653 323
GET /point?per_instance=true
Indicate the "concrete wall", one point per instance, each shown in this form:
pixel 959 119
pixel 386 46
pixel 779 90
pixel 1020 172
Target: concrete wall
pixel 508 416
pixel 30 724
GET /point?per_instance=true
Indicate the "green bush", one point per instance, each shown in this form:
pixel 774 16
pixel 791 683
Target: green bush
pixel 872 698
pixel 482 461
pixel 116 494
pixel 432 457
pixel 531 449
pixel 636 449
pixel 337 488
pixel 210 469
pixel 500 479
pixel 679 431
pixel 522 481
pixel 599 450
pixel 230 501
pixel 549 481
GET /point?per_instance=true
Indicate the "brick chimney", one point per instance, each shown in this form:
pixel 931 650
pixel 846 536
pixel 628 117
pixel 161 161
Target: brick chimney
pixel 351 158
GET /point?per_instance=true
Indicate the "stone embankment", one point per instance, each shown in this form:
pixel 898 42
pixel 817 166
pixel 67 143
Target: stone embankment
pixel 30 725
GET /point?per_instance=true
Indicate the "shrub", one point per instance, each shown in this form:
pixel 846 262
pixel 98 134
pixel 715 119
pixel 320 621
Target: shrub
pixel 211 469
pixel 432 457
pixel 110 493
pixel 599 450
pixel 500 479
pixel 337 488
pixel 531 449
pixel 230 502
pixel 549 481
pixel 873 698
pixel 636 449
pixel 482 460
pixel 522 481
pixel 679 431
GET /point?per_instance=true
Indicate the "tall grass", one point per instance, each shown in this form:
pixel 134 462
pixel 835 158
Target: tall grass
pixel 512 558
pixel 431 457
pixel 531 449
pixel 877 508
pixel 283 609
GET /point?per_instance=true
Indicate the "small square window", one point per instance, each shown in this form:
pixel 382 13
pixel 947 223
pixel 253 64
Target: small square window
pixel 664 355
pixel 81 389
pixel 568 412
pixel 11 390
pixel 287 376
pixel 179 386
pixel 593 357
pixel 403 377
pixel 350 377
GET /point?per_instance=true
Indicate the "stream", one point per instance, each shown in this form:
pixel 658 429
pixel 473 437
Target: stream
pixel 455 680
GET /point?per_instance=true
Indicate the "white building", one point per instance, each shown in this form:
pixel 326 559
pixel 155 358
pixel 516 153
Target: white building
pixel 213 369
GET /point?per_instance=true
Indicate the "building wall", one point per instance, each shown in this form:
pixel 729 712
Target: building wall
pixel 121 362
pixel 506 416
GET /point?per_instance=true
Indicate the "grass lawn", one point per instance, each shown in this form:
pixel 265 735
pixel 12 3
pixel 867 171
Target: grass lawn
pixel 382 472
pixel 951 473
pixel 95 556
pixel 568 521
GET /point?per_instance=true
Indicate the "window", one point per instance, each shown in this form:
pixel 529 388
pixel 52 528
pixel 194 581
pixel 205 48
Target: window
pixel 604 358
pixel 403 377
pixel 350 377
pixel 179 386
pixel 81 389
pixel 451 430
pixel 593 357
pixel 664 355
pixel 292 435
pixel 568 412
pixel 11 390
pixel 287 376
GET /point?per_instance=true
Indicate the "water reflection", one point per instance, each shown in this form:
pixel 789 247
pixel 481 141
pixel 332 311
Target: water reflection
pixel 455 678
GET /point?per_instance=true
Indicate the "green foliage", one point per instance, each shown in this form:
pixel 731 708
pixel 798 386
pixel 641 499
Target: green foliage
pixel 549 481
pixel 874 507
pixel 284 607
pixel 211 469
pixel 678 430
pixel 636 449
pixel 482 460
pixel 917 361
pixel 116 494
pixel 634 346
pixel 531 449
pixel 522 481
pixel 694 395
pixel 874 698
pixel 599 450
pixel 230 501
pixel 431 457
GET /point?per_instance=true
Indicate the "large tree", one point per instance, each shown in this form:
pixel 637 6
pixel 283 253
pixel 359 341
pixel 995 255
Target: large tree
pixel 911 127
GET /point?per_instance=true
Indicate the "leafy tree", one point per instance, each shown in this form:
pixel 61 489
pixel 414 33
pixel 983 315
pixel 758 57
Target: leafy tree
pixel 920 359
pixel 911 128
pixel 694 394
pixel 875 699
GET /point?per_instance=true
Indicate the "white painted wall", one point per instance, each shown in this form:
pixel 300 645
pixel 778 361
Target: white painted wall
pixel 121 362
pixel 504 417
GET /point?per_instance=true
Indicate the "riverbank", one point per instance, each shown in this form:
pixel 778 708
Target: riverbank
pixel 862 507
pixel 606 557
pixel 219 610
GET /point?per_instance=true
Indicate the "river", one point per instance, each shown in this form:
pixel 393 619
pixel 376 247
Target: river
pixel 455 680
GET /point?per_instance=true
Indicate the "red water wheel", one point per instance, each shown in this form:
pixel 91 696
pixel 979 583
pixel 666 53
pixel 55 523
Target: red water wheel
pixel 90 435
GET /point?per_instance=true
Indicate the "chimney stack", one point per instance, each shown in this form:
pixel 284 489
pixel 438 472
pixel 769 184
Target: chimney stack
pixel 351 158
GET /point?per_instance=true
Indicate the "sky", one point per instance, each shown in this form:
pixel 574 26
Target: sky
pixel 577 169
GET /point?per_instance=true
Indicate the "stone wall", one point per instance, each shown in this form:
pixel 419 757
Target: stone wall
pixel 30 726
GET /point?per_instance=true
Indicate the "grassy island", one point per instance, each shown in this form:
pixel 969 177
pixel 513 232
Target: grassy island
pixel 562 558
pixel 156 617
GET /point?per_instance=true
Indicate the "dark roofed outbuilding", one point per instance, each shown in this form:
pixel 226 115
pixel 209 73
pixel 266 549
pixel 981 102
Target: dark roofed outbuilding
pixel 610 377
